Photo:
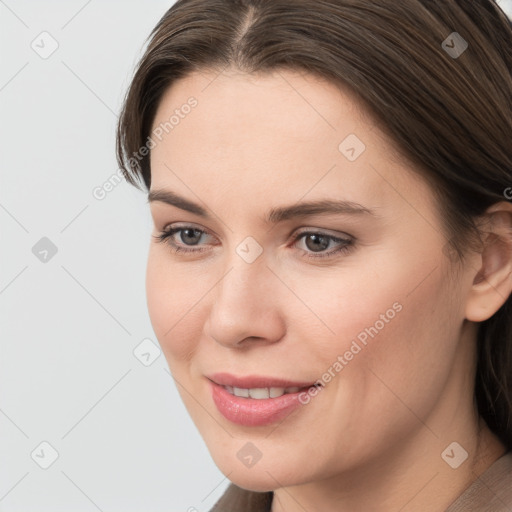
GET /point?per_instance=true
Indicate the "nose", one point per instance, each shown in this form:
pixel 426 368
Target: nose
pixel 246 306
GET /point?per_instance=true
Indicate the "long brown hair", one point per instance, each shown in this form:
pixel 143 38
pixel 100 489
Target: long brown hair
pixel 448 114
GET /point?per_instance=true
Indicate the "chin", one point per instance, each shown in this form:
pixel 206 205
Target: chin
pixel 252 479
pixel 267 474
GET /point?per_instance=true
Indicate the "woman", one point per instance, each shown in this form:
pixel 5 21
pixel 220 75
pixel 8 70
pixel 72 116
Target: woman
pixel 329 273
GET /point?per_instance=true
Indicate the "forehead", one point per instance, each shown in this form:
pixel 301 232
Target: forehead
pixel 285 134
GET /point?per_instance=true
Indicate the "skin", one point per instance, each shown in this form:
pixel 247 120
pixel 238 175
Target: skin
pixel 372 438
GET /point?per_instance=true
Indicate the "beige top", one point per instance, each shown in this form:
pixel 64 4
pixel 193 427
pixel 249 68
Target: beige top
pixel 490 492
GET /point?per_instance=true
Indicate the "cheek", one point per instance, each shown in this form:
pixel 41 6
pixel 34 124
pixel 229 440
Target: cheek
pixel 171 294
pixel 348 304
pixel 406 361
pixel 386 295
pixel 397 345
pixel 394 323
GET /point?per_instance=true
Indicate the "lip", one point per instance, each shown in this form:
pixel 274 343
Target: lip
pixel 255 381
pixel 251 412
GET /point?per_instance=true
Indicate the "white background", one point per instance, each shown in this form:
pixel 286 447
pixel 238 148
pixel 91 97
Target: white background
pixel 68 375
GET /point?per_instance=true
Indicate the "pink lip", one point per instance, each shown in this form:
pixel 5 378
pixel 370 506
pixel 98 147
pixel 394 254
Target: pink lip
pixel 255 381
pixel 250 412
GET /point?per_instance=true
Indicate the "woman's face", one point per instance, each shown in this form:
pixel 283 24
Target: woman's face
pixel 354 292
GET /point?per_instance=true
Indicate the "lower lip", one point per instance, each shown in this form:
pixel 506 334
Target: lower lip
pixel 252 412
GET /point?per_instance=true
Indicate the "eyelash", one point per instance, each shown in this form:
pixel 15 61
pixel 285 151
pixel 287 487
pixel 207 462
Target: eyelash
pixel 166 237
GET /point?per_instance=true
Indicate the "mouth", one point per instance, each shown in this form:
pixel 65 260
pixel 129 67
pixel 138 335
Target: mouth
pixel 256 401
pixel 258 388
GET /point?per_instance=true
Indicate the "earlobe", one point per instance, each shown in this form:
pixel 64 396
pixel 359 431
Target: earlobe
pixel 492 283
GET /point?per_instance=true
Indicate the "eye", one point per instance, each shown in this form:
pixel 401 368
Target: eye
pixel 315 242
pixel 189 236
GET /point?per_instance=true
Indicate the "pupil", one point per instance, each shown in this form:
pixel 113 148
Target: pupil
pixel 196 238
pixel 316 246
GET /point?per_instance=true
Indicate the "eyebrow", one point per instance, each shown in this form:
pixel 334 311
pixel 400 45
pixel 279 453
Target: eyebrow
pixel 275 215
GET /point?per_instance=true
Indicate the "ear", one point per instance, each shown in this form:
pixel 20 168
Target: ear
pixel 492 282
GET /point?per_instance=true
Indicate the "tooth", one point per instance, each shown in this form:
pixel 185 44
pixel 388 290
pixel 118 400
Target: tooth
pixel 276 392
pixel 241 392
pixel 259 393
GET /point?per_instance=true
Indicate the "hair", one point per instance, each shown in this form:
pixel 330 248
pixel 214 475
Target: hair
pixel 450 116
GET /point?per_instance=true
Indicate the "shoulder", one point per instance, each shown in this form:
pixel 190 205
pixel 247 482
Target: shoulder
pixel 490 492
pixel 235 499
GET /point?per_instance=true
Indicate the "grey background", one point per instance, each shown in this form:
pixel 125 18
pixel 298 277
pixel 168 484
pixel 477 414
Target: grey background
pixel 69 325
pixel 70 321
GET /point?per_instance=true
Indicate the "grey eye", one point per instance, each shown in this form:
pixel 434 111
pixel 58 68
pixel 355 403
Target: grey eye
pixel 192 235
pixel 316 242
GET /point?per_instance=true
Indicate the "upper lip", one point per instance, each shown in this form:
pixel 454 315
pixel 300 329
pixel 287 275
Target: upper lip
pixel 255 381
